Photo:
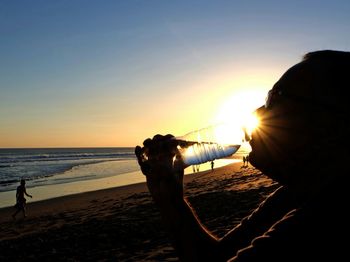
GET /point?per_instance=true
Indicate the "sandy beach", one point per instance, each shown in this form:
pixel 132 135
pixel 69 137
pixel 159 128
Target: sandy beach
pixel 123 224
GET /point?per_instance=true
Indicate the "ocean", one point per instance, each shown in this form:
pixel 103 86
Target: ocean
pixel 61 165
pixel 53 172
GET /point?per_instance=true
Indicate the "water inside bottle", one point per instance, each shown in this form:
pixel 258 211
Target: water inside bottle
pixel 199 153
pixel 208 144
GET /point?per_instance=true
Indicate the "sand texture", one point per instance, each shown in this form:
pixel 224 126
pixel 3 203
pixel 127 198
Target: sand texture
pixel 123 224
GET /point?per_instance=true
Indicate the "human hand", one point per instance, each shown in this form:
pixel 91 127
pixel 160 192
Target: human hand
pixel 163 167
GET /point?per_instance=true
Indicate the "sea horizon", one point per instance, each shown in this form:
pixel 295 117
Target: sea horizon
pixel 68 147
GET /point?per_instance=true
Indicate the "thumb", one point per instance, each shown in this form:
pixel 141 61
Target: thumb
pixel 178 167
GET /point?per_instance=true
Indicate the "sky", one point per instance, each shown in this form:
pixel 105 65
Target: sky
pixel 80 73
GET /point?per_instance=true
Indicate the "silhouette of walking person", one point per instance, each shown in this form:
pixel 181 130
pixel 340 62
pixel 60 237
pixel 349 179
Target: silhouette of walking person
pixel 20 199
pixel 247 160
pixel 212 165
pixel 194 169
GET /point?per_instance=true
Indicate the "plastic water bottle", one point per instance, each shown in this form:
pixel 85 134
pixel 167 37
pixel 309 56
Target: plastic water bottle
pixel 208 144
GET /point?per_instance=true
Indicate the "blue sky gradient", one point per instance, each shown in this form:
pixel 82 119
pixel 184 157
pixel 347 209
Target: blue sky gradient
pixel 110 73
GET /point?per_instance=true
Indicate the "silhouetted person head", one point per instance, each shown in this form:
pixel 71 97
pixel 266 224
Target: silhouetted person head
pixel 305 120
pixel 23 182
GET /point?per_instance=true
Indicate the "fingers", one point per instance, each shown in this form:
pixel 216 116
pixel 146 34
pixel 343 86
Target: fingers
pixel 142 160
pixel 147 142
pixel 139 154
pixel 160 147
pixel 157 154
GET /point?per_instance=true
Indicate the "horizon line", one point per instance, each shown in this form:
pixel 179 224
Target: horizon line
pixel 79 147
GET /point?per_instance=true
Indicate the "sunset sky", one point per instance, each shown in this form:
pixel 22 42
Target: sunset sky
pixel 77 73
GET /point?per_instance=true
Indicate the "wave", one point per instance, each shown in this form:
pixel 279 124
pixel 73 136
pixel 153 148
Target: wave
pixel 4 166
pixel 38 164
pixel 76 172
pixel 8 182
pixel 48 173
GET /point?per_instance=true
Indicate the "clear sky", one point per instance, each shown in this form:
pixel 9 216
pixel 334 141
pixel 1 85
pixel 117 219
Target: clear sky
pixel 111 73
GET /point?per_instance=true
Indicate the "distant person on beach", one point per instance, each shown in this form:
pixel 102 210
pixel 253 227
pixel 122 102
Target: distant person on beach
pixel 20 199
pixel 212 165
pixel 194 169
pixel 244 161
pixel 306 116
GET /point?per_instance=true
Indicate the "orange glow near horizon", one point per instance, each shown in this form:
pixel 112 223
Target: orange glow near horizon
pixel 132 130
pixel 220 97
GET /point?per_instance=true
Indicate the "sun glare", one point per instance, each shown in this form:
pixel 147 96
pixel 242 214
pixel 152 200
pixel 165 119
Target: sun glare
pixel 251 122
pixel 237 112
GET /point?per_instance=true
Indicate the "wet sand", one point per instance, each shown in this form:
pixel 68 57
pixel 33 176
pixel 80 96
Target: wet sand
pixel 123 224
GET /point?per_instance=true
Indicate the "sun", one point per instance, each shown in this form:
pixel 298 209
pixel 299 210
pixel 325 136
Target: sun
pixel 237 113
pixel 250 123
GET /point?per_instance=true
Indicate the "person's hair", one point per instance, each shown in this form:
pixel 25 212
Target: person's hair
pixel 330 55
pixel 331 81
pixel 330 71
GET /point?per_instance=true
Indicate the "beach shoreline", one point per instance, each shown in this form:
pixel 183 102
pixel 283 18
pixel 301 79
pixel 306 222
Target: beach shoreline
pixel 123 223
pixel 50 191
